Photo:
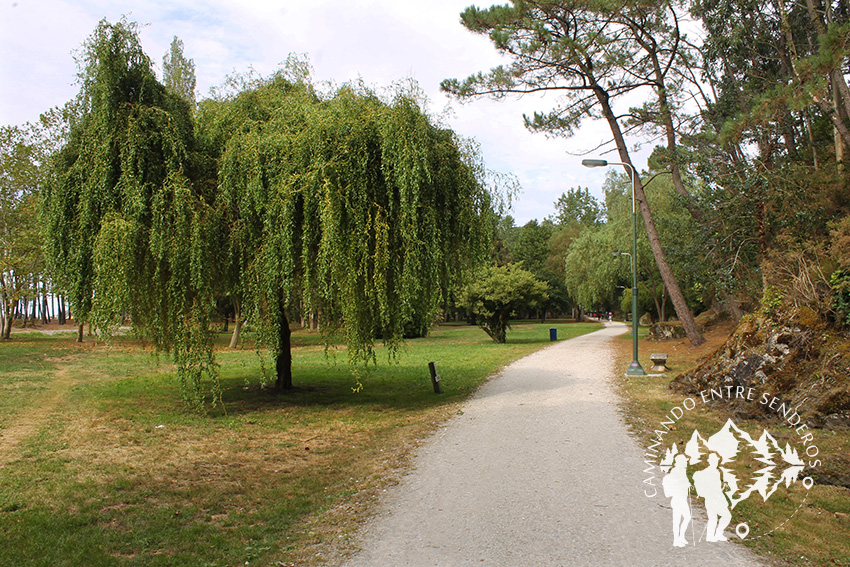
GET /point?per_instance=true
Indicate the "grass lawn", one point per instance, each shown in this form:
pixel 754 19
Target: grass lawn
pixel 101 464
pixel 818 531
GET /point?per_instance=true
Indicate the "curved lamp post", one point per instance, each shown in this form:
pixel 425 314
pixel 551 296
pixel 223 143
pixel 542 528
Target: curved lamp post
pixel 635 369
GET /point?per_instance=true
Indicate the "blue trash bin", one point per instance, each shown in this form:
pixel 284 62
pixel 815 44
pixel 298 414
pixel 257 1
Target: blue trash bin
pixel 553 334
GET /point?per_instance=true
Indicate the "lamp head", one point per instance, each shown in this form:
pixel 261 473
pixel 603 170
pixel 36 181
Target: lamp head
pixel 594 162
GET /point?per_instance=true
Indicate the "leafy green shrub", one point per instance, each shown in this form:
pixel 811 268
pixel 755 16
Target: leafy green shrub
pixel 499 294
pixel 771 301
pixel 840 282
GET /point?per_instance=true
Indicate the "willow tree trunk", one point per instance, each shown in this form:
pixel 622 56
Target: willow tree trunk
pixel 680 305
pixel 283 361
pixel 237 331
pixel 237 324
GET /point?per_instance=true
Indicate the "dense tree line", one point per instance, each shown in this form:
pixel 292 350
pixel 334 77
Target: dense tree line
pixel 752 122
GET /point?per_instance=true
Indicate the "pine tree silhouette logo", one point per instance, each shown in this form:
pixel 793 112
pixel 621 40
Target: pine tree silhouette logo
pixel 720 488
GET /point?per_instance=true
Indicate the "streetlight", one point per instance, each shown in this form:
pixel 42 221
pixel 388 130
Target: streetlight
pixel 631 260
pixel 635 369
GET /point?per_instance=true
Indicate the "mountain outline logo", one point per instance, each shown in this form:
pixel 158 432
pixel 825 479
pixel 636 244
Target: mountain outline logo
pixel 720 487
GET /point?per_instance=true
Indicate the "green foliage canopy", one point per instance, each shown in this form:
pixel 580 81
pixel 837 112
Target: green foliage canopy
pixel 593 53
pixel 178 72
pixel 124 227
pixel 593 274
pixel 21 260
pixel 500 292
pixel 360 208
pixel 578 206
pixel 532 246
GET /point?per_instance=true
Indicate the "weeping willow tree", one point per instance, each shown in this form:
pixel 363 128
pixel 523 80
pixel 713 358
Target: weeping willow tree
pixel 125 230
pixel 360 208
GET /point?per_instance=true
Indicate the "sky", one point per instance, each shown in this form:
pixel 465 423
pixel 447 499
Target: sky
pixel 380 42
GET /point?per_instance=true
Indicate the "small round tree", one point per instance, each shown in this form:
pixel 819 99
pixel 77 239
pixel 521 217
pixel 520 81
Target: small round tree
pixel 502 291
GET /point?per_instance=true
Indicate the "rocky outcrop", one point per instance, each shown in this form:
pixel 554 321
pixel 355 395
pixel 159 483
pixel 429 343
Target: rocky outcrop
pixel 665 332
pixel 795 357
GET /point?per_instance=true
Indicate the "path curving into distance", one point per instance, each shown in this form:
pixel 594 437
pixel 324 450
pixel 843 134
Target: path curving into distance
pixel 538 470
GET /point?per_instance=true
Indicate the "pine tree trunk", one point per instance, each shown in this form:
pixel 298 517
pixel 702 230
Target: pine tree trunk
pixel 7 330
pixel 839 142
pixel 48 317
pixel 680 305
pixel 672 145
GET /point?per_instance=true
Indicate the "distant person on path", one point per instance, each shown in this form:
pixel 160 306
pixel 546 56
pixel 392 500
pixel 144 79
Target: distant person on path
pixel 676 487
pixel 709 485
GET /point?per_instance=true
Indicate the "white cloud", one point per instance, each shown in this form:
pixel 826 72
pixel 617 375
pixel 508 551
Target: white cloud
pixel 380 41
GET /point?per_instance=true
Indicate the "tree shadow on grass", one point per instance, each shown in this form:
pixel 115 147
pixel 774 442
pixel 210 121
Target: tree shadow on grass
pixel 403 385
pixel 243 394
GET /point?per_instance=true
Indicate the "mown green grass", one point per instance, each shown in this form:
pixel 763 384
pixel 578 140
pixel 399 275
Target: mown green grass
pixel 26 367
pixel 121 473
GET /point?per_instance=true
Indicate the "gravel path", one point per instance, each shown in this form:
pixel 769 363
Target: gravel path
pixel 538 470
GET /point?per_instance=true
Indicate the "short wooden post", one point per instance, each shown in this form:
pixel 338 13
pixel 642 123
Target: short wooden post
pixel 435 378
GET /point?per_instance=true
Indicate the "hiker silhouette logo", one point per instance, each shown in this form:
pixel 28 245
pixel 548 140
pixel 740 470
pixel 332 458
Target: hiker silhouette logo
pixel 726 468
